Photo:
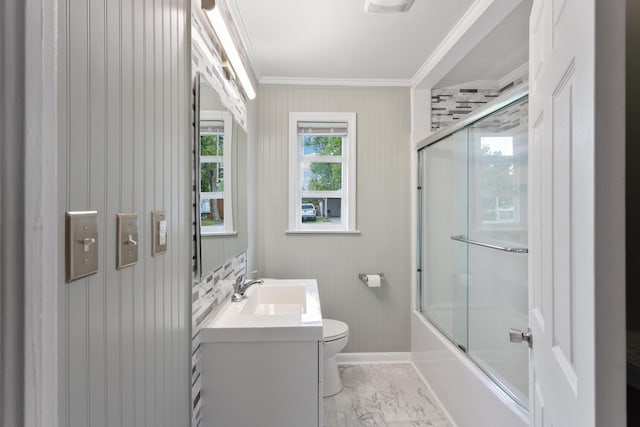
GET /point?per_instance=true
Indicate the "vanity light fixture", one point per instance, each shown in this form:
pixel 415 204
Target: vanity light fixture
pixel 221 30
pixel 387 6
pixel 225 67
pixel 228 71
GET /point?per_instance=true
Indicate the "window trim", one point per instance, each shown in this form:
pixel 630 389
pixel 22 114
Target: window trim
pixel 349 163
pixel 228 225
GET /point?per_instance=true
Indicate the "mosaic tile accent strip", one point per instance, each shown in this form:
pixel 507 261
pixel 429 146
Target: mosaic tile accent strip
pixel 451 104
pixel 516 116
pixel 206 298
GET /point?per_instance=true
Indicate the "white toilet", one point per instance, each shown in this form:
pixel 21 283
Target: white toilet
pixel 336 335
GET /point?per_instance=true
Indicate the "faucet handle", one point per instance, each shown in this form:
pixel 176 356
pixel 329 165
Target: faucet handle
pixel 239 283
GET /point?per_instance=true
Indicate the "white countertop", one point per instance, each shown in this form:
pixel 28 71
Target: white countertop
pixel 277 310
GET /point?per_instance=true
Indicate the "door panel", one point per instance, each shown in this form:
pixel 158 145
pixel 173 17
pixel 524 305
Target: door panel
pixel 562 284
pixel 561 239
pixel 536 293
pixel 537 408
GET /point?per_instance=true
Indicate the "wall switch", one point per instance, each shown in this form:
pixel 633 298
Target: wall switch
pixel 126 239
pixel 81 244
pixel 158 232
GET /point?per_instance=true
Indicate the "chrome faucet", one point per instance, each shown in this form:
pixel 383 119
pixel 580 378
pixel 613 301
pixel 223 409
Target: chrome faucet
pixel 241 287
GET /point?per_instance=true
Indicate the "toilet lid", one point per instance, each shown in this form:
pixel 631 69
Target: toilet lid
pixel 334 329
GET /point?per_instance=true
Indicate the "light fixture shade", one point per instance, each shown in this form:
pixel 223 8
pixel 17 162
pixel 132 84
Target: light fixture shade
pixel 224 36
pixel 386 6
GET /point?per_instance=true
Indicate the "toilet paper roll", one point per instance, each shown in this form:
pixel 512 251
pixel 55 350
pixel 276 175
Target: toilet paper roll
pixel 373 280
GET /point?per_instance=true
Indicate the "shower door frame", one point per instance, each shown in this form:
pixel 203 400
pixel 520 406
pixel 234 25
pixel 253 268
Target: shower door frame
pixel 517 94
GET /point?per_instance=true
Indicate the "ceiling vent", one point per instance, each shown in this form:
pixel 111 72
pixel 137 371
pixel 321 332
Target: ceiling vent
pixel 387 6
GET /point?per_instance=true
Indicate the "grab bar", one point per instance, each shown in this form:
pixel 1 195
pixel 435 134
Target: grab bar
pixel 461 238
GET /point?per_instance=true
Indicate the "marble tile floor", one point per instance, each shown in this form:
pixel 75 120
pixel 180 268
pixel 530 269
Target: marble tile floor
pixel 382 395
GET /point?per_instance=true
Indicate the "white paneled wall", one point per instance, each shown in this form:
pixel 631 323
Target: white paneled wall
pixel 378 318
pixel 124 104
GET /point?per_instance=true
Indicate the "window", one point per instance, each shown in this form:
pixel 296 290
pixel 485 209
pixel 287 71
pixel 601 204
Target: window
pixel 498 184
pixel 216 207
pixel 322 172
pixel 499 181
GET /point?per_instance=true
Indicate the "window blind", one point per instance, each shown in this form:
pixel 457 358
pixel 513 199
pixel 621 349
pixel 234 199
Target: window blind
pixel 324 128
pixel 212 126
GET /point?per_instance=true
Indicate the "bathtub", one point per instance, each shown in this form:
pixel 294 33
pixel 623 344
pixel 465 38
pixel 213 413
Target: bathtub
pixel 468 396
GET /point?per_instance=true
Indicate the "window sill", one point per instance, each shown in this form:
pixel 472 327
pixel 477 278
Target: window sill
pixel 223 233
pixel 351 232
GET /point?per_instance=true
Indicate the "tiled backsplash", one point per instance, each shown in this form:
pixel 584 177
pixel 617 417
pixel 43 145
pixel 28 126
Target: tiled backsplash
pixel 451 104
pixel 206 298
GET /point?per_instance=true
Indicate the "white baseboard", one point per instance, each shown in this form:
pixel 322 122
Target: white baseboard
pixel 370 358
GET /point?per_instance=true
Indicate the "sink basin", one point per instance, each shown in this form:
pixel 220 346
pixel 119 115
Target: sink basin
pixel 275 300
pixel 277 310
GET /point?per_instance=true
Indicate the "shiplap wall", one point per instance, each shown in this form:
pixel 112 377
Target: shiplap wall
pixel 124 105
pixel 378 318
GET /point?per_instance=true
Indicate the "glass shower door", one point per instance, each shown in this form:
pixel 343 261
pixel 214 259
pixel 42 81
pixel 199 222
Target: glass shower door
pixel 473 242
pixel 444 212
pixel 498 217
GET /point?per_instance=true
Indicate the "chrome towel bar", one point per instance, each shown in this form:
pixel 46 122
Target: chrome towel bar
pixel 461 238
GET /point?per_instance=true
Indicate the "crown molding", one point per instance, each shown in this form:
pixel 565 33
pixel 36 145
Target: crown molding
pixel 511 76
pixel 310 81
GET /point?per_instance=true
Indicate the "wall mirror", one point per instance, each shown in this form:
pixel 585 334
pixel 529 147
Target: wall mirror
pixel 220 183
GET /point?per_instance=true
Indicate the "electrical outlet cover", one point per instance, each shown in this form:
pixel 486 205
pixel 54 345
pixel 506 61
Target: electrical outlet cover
pixel 158 232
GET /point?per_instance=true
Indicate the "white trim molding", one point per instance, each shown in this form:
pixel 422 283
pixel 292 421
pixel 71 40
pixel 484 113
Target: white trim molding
pixel 372 358
pixel 319 81
pixel 41 200
pixel 29 206
pixel 348 159
pixel 521 71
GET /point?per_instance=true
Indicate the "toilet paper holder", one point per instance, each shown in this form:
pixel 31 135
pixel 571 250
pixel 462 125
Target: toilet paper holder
pixel 363 277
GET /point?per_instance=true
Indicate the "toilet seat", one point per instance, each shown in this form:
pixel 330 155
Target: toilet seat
pixel 333 330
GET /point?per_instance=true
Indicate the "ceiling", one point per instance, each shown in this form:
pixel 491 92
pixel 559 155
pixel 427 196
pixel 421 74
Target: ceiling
pixel 499 53
pixel 336 40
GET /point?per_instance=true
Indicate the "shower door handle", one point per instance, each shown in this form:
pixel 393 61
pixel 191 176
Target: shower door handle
pixel 516 335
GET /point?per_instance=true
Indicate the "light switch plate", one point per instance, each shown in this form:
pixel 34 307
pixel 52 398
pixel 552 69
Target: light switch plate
pixel 158 232
pixel 81 244
pixel 126 240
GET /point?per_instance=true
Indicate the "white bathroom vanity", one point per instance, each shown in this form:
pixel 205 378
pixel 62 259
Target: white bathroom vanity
pixel 261 358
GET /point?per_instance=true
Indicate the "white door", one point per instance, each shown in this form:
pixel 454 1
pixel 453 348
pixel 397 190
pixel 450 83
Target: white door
pixel 561 236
